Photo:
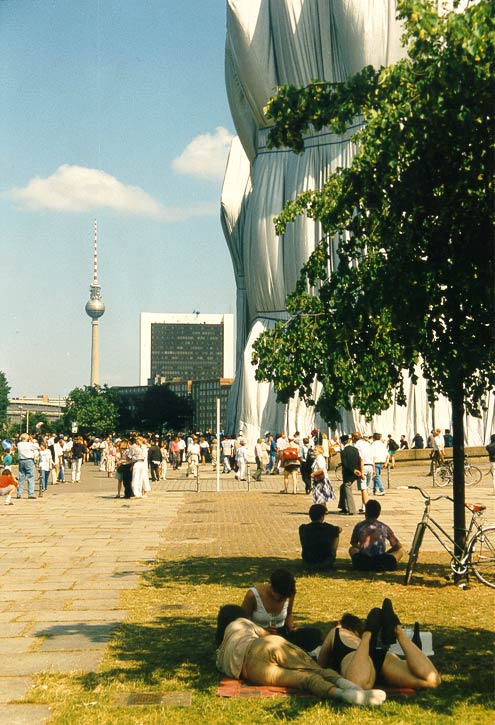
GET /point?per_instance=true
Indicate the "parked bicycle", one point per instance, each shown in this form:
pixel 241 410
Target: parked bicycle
pixel 445 474
pixel 478 553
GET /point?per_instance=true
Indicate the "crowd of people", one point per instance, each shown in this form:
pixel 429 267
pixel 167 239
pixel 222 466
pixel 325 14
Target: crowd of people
pixel 136 461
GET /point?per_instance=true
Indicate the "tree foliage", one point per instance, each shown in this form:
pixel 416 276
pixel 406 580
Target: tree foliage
pixel 4 397
pixel 93 408
pixel 413 217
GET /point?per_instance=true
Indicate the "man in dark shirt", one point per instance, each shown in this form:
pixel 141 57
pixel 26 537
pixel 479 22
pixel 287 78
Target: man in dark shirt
pixel 319 540
pixel 154 459
pixel 491 455
pixel 417 441
pixel 448 440
pixel 352 465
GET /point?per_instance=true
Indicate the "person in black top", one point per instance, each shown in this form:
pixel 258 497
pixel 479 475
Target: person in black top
pixel 448 439
pixel 417 441
pixel 403 444
pixel 352 465
pixel 491 455
pixel 319 540
pixel 155 458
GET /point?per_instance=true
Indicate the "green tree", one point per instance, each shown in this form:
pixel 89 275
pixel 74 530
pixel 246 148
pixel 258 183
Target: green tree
pixel 93 408
pixel 4 397
pixel 414 220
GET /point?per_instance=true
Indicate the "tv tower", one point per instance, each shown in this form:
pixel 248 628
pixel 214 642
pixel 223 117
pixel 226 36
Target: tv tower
pixel 95 308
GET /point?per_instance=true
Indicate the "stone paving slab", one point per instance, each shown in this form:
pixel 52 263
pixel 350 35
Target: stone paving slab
pixel 14 688
pixel 65 662
pixel 97 615
pixel 94 632
pixel 12 629
pixel 110 584
pixel 24 714
pixel 70 642
pixel 8 595
pixel 17 645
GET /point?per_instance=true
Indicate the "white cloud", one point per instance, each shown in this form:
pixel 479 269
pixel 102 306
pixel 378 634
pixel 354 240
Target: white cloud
pixel 206 156
pixel 80 189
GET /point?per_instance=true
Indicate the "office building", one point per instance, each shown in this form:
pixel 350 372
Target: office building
pixel 183 347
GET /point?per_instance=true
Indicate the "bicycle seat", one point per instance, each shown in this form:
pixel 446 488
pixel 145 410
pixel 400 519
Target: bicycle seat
pixel 475 507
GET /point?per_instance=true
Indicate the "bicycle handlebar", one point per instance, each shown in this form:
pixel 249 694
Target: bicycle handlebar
pixel 426 496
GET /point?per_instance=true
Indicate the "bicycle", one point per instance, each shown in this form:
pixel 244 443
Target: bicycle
pixel 479 549
pixel 445 474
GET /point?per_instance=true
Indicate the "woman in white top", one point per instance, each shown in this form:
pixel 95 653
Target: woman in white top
pixel 138 454
pixel 249 651
pixel 270 606
pixel 193 453
pixel 163 466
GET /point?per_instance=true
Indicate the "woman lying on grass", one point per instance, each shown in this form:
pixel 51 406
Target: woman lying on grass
pixel 351 648
pixel 249 651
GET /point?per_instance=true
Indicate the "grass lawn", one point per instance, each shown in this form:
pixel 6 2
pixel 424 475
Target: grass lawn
pixel 166 645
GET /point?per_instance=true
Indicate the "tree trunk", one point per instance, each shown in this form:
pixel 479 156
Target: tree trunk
pixel 458 482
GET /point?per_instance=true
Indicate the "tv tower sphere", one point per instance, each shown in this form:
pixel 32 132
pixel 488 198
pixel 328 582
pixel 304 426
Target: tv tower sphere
pixel 95 306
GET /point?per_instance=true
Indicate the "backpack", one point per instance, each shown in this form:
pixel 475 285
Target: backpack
pixel 290 454
pixel 392 445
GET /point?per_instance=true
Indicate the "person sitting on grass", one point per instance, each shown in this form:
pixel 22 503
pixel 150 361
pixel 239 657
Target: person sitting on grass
pixel 319 540
pixel 270 606
pixel 368 548
pixel 8 485
pixel 351 648
pixel 248 651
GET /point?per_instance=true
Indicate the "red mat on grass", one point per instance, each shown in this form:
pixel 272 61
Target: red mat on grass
pixel 241 688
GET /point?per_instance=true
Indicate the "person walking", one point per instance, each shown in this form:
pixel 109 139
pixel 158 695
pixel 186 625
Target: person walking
pixel 26 453
pixel 154 459
pixel 379 457
pixel 79 452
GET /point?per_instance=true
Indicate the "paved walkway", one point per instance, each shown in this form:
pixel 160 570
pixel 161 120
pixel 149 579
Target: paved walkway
pixel 67 556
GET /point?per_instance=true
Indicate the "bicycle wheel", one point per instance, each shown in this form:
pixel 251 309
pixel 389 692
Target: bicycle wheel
pixel 482 556
pixel 413 554
pixel 443 476
pixel 472 475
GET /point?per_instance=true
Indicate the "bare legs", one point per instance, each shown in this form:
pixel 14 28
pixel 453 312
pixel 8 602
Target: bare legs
pixel 357 666
pixel 417 671
pixel 272 660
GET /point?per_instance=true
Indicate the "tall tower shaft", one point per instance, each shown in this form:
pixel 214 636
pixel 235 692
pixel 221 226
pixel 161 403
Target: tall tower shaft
pixel 95 309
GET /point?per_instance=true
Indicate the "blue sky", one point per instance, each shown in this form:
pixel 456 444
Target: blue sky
pixel 114 110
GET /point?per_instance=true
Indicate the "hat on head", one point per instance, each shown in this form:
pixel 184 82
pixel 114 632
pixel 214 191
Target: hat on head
pixel 344 438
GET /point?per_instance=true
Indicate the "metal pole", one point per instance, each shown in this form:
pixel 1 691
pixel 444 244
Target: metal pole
pixel 218 444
